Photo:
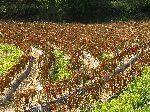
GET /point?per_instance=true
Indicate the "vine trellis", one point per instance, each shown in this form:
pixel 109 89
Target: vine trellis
pixel 130 55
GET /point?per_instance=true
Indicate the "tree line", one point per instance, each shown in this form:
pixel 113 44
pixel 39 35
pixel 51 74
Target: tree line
pixel 74 10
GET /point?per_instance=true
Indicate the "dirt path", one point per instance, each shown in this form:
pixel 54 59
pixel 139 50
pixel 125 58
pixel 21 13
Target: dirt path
pixel 31 83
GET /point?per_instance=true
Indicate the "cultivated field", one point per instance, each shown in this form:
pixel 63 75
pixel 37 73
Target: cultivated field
pixel 70 67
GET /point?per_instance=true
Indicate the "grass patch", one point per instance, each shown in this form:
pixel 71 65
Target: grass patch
pixel 107 55
pixel 9 54
pixel 61 68
pixel 135 98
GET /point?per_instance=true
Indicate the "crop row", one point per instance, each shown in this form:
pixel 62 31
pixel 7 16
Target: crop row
pixel 123 40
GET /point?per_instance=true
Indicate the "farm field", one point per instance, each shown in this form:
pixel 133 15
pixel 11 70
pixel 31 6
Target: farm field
pixel 61 67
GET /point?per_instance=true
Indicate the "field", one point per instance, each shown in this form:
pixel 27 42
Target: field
pixel 61 67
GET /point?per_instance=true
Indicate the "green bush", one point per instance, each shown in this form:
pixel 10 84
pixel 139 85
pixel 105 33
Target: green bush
pixel 135 98
pixel 61 67
pixel 8 56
